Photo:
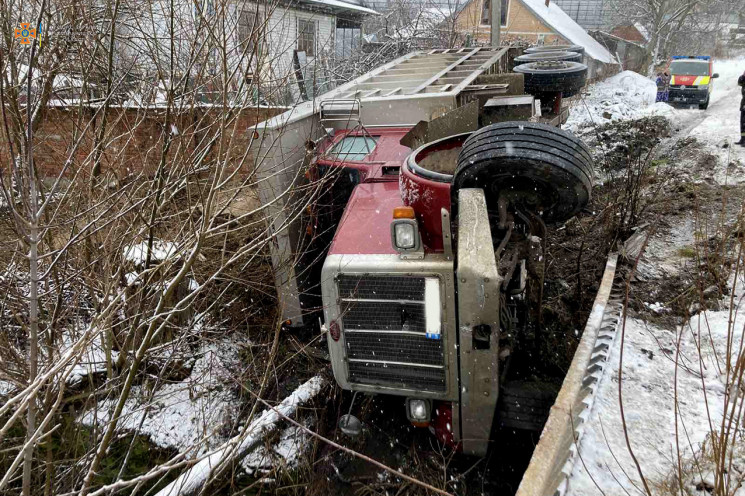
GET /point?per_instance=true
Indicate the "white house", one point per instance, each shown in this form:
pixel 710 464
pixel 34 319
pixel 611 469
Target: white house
pixel 286 45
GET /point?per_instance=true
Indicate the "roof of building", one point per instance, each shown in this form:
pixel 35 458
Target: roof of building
pixel 642 30
pixel 425 23
pixel 341 5
pixel 616 38
pixel 558 20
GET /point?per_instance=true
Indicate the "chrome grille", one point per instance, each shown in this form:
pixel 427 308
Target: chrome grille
pixel 383 315
pixel 384 287
pixel 384 326
pixel 394 347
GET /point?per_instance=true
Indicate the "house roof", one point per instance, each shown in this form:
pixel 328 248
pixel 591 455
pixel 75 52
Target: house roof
pixel 341 5
pixel 642 30
pixel 558 20
pixel 424 24
pixel 611 36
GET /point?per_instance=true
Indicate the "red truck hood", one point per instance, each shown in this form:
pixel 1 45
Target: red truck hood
pixel 365 228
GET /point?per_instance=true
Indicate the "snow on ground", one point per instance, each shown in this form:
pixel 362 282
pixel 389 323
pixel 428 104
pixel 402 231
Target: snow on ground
pixel 287 453
pixel 650 379
pixel 625 96
pixel 161 250
pixel 721 122
pixel 92 360
pixel 187 412
pixel 719 125
pixel 649 390
pixel 191 480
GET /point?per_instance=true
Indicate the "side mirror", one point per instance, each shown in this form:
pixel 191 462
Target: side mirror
pixel 715 75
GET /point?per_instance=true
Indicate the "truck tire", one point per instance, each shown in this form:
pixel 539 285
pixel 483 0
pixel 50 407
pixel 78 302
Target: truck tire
pixel 705 105
pixel 548 170
pixel 541 56
pixel 552 48
pixel 525 405
pixel 553 76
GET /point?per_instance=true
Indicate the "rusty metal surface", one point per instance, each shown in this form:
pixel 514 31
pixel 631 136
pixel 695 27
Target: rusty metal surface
pixel 461 120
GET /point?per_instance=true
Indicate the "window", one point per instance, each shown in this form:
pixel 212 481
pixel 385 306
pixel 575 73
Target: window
pixel 246 20
pixel 353 148
pixel 486 12
pixel 689 68
pixel 348 37
pixel 306 37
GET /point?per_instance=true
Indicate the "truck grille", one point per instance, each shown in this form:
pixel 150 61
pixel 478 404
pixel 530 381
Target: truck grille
pixel 383 321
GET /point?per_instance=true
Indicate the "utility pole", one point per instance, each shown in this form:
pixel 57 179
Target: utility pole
pixel 496 22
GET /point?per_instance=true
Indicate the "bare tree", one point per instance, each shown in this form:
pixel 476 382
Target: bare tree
pixel 128 236
pixel 683 25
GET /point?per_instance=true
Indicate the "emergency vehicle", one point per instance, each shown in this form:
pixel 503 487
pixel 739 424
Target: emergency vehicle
pixel 692 79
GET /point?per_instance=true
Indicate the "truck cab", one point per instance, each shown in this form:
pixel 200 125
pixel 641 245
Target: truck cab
pixel 422 244
pixel 692 80
pixel 434 274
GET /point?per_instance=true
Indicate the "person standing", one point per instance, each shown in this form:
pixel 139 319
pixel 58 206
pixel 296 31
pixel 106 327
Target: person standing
pixel 741 83
pixel 663 86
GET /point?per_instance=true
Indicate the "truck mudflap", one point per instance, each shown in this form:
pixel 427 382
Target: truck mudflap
pixel 478 286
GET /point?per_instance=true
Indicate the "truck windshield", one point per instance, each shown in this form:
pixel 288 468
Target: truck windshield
pixel 353 148
pixel 689 68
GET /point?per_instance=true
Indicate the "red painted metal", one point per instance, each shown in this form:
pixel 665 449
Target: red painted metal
pixel 365 227
pixel 334 330
pixel 388 152
pixel 428 196
pixel 443 423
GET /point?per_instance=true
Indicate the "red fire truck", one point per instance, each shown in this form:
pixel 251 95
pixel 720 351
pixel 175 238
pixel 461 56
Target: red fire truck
pixel 429 232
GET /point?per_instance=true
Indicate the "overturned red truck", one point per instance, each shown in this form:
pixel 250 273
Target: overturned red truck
pixel 426 254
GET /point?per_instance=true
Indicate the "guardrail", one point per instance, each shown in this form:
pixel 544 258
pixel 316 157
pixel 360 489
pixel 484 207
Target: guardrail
pixel 554 456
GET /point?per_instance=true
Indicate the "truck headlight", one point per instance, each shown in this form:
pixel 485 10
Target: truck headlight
pixel 418 411
pixel 404 230
pixel 404 235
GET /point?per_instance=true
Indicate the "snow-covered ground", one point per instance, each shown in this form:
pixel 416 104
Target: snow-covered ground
pixel 625 96
pixel 190 412
pixel 671 380
pixel 722 120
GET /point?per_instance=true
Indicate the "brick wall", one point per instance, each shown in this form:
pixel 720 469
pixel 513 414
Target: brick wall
pixel 134 138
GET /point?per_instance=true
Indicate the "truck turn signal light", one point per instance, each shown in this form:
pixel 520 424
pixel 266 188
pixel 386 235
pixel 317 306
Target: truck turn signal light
pixel 403 213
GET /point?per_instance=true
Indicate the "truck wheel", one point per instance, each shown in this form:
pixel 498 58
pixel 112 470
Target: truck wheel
pixel 525 405
pixel 541 56
pixel 547 170
pixel 553 76
pixel 704 105
pixel 552 48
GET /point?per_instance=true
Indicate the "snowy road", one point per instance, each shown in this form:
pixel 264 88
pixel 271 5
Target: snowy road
pixel 722 119
pixel 671 380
